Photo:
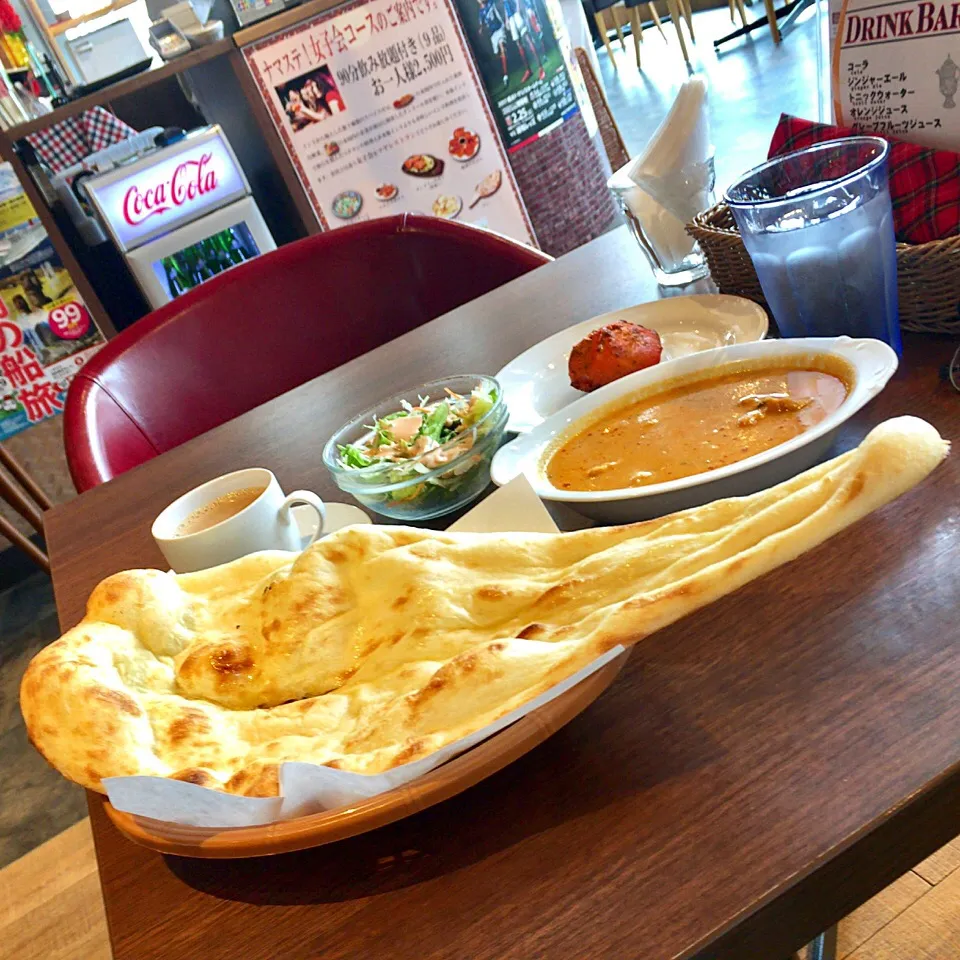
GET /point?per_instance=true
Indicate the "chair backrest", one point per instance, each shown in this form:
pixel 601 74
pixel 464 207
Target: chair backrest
pixel 269 325
pixel 610 134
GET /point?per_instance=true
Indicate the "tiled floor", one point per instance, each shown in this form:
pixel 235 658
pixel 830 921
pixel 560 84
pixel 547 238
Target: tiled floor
pixel 751 82
pixel 35 801
pixel 53 910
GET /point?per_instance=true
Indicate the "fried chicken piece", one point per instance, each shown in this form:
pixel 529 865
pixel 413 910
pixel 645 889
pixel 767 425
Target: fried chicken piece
pixel 612 352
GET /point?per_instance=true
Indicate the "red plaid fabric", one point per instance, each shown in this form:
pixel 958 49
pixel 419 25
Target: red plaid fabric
pixel 69 141
pixel 924 183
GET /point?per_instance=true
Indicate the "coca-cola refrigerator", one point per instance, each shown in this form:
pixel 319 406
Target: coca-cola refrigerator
pixel 180 214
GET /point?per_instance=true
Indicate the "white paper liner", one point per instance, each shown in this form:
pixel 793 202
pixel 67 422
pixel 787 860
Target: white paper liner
pixel 676 169
pixel 307 788
pixel 683 136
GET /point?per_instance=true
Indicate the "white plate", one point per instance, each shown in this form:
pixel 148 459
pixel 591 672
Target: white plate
pixel 536 385
pixel 873 364
pixel 338 515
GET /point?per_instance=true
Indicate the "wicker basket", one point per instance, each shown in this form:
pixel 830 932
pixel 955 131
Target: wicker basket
pixel 928 274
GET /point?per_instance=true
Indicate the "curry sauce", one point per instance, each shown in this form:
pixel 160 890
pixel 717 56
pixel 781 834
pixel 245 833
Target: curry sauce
pixel 695 427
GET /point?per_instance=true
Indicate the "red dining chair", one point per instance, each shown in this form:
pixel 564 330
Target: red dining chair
pixel 269 325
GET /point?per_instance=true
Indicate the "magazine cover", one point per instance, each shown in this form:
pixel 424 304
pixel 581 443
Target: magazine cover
pixel 46 331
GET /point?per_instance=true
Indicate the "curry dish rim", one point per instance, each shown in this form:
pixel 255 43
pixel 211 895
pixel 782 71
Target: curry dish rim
pixel 830 363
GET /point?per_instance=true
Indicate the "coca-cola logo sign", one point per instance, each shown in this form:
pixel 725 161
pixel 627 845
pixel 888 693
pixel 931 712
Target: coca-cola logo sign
pixel 190 180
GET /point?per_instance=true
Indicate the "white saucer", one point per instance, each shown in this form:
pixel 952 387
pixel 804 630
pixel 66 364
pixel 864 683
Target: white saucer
pixel 536 384
pixel 338 515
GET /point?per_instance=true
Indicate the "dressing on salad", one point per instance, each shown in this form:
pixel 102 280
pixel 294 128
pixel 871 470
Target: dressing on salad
pixel 423 437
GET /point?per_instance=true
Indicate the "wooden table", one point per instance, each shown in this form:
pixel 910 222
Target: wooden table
pixel 758 770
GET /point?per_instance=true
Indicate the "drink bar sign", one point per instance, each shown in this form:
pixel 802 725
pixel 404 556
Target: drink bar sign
pixel 380 108
pixel 896 69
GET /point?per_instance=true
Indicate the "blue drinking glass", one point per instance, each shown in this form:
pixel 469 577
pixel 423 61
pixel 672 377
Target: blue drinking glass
pixel 818 225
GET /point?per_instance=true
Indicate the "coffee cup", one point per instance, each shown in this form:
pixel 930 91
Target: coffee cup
pixel 226 518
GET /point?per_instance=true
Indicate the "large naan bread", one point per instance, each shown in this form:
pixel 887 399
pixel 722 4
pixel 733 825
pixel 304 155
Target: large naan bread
pixel 378 645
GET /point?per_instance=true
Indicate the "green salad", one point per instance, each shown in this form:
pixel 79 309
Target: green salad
pixel 414 441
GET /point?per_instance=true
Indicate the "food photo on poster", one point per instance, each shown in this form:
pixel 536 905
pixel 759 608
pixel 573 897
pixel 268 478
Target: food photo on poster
pixel 522 65
pixel 381 110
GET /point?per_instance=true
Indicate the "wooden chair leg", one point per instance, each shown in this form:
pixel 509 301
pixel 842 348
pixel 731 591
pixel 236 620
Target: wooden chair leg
pixel 772 17
pixel 616 23
pixel 26 545
pixel 656 18
pixel 636 28
pixel 10 492
pixel 29 505
pixel 24 478
pixel 652 7
pixel 688 16
pixel 675 16
pixel 731 5
pixel 743 12
pixel 602 27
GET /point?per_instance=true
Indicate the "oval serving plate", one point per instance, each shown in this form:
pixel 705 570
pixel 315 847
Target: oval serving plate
pixel 320 828
pixel 872 361
pixel 536 384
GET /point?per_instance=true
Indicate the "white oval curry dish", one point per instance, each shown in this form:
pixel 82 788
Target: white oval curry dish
pixel 536 384
pixel 870 363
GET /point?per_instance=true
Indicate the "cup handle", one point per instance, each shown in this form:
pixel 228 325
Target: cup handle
pixel 311 500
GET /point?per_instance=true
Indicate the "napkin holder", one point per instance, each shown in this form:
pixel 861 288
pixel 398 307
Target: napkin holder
pixel 674 255
pixel 669 183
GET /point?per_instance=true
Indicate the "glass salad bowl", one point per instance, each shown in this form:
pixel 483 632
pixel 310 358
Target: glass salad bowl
pixel 424 452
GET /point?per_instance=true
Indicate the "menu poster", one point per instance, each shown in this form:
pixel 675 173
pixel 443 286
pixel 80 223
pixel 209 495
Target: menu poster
pixel 381 111
pixel 896 71
pixel 522 64
pixel 46 333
